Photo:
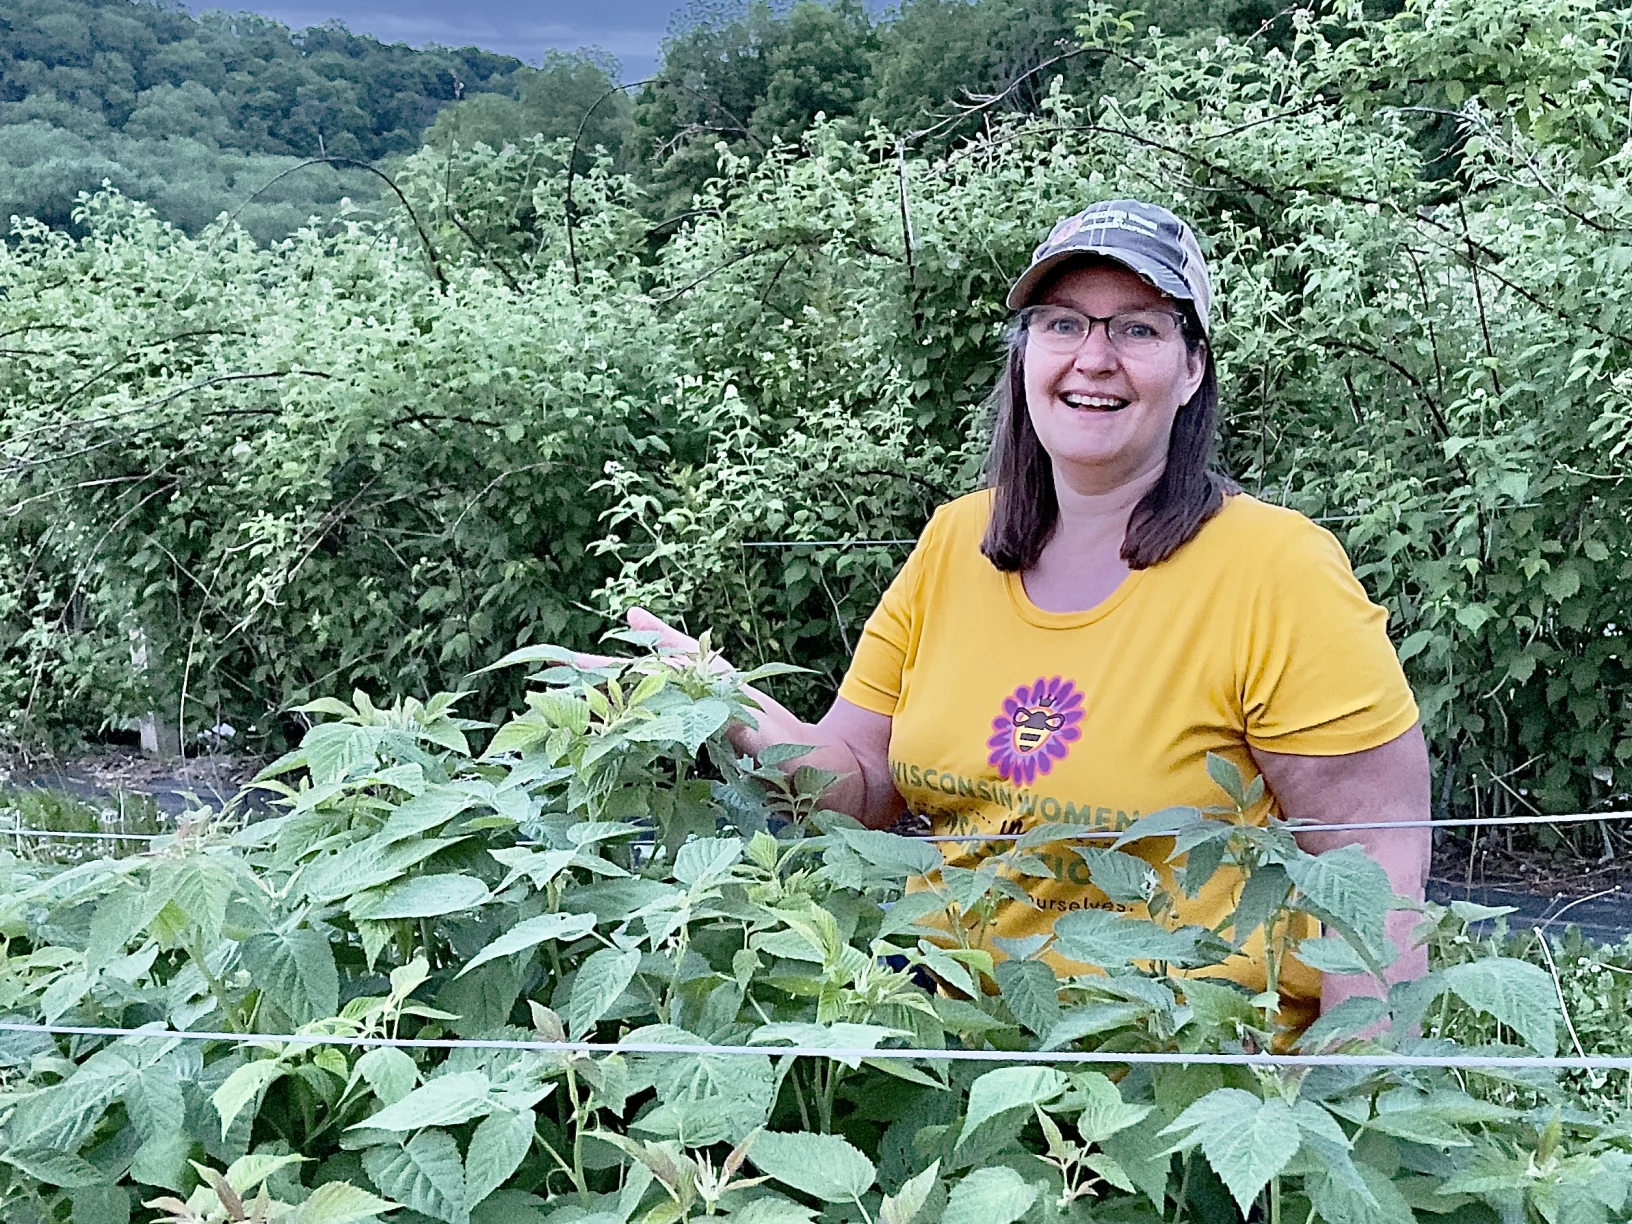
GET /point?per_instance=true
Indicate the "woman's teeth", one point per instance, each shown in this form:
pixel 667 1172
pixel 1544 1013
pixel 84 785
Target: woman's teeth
pixel 1096 403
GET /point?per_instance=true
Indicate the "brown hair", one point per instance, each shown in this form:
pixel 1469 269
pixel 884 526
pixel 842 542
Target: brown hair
pixel 1025 510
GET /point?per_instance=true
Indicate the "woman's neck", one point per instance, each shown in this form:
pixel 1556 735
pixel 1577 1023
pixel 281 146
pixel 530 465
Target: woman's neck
pixel 1081 565
pixel 1089 512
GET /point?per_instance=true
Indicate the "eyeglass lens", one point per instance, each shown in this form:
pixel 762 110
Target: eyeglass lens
pixel 1063 330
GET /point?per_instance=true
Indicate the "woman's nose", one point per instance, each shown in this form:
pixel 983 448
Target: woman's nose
pixel 1096 353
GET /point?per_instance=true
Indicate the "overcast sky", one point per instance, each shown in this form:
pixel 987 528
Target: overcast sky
pixel 630 29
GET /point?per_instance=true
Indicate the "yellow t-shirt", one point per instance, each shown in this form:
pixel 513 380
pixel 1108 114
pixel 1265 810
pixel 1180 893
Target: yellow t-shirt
pixel 1006 716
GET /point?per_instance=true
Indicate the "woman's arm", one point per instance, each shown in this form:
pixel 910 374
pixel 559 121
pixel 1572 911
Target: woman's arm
pixel 1381 784
pixel 848 741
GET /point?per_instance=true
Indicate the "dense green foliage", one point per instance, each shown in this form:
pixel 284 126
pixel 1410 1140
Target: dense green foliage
pixel 387 455
pixel 607 869
pixel 200 116
pixel 753 74
pixel 194 115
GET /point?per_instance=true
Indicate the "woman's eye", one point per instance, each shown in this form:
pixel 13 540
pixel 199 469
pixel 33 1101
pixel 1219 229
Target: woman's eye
pixel 1064 327
pixel 1138 331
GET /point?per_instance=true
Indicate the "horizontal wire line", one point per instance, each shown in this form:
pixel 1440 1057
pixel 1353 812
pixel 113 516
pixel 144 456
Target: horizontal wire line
pixel 841 1054
pixel 82 836
pixel 1479 822
pixel 1471 822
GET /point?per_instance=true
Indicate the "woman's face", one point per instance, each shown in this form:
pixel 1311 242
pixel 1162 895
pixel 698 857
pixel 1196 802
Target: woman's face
pixel 1105 417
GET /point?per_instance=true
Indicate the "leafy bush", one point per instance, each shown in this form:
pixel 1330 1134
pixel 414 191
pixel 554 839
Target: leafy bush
pixel 366 456
pixel 606 869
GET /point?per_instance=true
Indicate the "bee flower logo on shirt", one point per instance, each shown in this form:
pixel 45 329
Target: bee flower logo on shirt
pixel 1037 728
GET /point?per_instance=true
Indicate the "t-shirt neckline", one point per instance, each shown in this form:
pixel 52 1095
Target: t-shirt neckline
pixel 1033 615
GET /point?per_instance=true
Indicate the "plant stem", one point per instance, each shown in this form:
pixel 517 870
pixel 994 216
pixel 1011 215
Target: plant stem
pixel 1184 1190
pixel 577 1137
pixel 1275 1200
pixel 217 991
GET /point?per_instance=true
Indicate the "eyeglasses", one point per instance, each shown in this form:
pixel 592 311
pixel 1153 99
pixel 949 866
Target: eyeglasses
pixel 1061 330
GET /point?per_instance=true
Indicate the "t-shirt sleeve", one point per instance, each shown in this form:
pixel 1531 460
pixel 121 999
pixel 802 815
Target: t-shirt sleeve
pixel 877 669
pixel 1321 677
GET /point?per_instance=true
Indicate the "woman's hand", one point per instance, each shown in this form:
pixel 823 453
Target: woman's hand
pixel 850 742
pixel 675 646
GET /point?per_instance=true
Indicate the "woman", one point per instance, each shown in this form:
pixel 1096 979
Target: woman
pixel 1072 643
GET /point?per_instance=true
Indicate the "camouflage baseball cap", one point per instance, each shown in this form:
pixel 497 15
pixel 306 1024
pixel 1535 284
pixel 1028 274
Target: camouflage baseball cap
pixel 1145 238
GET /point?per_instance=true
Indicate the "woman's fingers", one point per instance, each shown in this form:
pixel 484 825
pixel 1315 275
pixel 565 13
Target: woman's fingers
pixel 643 621
pixel 669 638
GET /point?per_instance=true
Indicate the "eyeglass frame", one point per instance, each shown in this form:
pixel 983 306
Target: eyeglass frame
pixel 1026 314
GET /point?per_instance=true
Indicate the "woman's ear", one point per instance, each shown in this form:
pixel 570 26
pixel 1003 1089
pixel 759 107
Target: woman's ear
pixel 1195 371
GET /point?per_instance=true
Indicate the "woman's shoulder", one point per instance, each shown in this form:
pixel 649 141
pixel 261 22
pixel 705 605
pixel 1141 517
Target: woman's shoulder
pixel 959 522
pixel 1260 530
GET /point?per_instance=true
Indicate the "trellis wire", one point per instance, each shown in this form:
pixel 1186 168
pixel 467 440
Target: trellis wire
pixel 1476 822
pixel 858 1054
pixel 76 834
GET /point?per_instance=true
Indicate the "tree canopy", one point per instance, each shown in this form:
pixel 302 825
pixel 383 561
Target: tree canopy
pixel 196 114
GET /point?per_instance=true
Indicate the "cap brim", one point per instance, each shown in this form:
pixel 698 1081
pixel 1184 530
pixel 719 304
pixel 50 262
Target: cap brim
pixel 1158 274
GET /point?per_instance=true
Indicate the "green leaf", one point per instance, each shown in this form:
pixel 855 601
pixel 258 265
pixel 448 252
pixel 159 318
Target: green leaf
pixel 244 1085
pixel 424 1175
pixel 997 1195
pixel 341 1203
pixel 689 725
pixel 706 860
pixel 201 890
pixel 1226 774
pixel 246 1174
pixel 295 970
pixel 60 1118
pixel 1246 1140
pixel 903 856
pixel 55 1168
pixel 100 1205
pixel 1346 888
pixel 426 896
pixel 1518 994
pixel 1339 1202
pixel 1144 1158
pixel 498 1147
pixel 1110 940
pixel 1331 956
pixel 706 1098
pixel 602 977
pixel 389 1072
pixel 445 1101
pixel 1562 583
pixel 1163 823
pixel 823 1166
pixel 530 933
pixel 1263 893
pixel 902 1206
pixel 1121 877
pixel 772 1209
pixel 1009 1088
pixel 1414 644
pixel 1105 1113
pixel 336 750
pixel 1032 992
pixel 905 912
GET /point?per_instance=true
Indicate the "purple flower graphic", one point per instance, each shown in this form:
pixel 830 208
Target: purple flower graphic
pixel 1037 727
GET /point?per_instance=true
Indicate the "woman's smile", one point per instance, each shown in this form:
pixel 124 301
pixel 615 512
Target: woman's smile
pixel 1085 401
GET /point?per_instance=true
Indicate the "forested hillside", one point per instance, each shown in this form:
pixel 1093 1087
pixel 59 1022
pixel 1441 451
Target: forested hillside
pixel 194 114
pixel 197 116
